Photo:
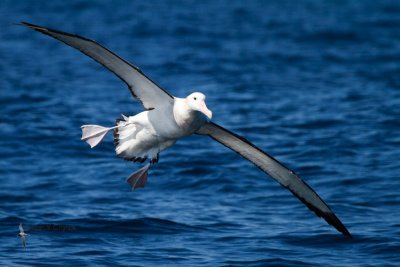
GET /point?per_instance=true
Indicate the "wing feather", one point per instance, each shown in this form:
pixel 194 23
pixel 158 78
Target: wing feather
pixel 276 170
pixel 143 88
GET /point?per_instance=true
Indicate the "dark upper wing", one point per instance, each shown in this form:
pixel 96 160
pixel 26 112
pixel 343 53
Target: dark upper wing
pixel 141 87
pixel 276 170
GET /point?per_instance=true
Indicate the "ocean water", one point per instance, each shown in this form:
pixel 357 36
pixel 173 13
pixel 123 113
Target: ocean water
pixel 314 83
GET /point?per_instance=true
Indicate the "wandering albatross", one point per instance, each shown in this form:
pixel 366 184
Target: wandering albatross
pixel 167 118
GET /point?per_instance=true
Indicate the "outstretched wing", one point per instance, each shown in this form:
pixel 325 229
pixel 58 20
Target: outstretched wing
pixel 21 230
pixel 276 170
pixel 141 87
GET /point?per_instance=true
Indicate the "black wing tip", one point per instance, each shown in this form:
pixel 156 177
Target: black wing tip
pixel 330 218
pixel 333 220
pixel 24 23
pixel 49 31
pixel 33 26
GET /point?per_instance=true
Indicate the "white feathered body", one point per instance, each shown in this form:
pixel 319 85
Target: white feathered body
pixel 150 132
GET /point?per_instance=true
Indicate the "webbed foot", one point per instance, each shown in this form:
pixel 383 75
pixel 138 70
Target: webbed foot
pixel 138 178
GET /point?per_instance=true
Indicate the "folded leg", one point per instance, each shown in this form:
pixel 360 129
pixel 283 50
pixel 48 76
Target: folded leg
pixel 138 178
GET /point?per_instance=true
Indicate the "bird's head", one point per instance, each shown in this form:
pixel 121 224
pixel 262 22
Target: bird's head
pixel 197 101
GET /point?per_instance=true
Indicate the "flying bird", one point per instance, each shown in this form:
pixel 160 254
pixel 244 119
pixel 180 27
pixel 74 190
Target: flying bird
pixel 166 119
pixel 22 235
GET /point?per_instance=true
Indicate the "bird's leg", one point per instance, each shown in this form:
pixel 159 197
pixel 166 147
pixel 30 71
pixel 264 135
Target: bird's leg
pixel 155 159
pixel 138 178
pixel 157 156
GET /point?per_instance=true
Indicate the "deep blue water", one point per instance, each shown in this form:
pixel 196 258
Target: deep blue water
pixel 314 83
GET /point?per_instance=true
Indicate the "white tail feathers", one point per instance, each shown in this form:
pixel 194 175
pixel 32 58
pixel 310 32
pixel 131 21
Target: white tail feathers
pixel 94 134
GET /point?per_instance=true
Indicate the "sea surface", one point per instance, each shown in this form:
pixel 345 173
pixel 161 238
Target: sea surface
pixel 314 83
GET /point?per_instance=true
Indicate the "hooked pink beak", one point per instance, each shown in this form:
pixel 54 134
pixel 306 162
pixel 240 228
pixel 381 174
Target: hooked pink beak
pixel 205 110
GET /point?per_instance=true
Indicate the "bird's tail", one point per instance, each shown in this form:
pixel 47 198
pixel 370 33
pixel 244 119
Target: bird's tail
pixel 94 134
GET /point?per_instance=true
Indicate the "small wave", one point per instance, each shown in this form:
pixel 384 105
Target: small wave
pixel 266 262
pixel 318 124
pixel 329 36
pixel 141 225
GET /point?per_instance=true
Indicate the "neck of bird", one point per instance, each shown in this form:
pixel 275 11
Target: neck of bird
pixel 183 114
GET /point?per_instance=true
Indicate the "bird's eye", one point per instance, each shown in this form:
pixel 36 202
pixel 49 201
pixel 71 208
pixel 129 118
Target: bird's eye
pixel 195 98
